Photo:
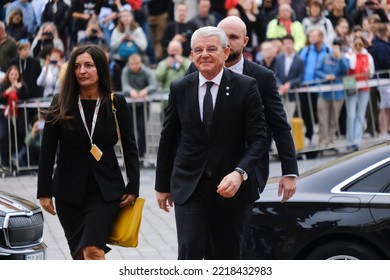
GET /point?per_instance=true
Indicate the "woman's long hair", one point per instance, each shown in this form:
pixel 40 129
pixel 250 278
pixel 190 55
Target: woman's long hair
pixel 6 82
pixel 12 14
pixel 133 24
pixel 63 104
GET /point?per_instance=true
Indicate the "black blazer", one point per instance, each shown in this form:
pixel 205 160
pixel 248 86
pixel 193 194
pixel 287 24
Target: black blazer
pixel 294 75
pixel 277 123
pixel 237 138
pixel 276 119
pixel 69 183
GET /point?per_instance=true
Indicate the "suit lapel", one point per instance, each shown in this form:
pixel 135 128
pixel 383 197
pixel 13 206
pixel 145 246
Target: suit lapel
pixel 293 65
pixel 105 107
pixel 282 70
pixel 248 69
pixel 191 90
pixel 225 94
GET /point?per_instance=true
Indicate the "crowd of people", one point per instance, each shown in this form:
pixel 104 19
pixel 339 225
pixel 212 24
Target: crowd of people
pixel 230 68
pixel 302 42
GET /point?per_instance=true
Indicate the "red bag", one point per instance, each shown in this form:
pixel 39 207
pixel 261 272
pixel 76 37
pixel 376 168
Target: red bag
pixel 10 108
pixel 135 4
pixel 231 4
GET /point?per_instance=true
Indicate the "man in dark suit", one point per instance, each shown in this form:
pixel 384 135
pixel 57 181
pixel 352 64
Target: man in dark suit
pixel 289 70
pixel 275 115
pixel 213 136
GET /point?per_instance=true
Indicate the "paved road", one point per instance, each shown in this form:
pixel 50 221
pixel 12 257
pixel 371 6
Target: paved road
pixel 157 239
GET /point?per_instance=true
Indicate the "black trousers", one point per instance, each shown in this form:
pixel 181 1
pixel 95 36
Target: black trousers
pixel 308 107
pixel 207 230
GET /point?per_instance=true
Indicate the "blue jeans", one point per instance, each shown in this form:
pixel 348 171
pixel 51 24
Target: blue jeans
pixel 356 106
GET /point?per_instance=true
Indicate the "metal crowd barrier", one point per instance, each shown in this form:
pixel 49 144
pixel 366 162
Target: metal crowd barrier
pixel 317 87
pixel 153 114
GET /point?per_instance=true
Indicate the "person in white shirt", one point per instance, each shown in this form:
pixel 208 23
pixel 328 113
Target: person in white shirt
pixel 50 73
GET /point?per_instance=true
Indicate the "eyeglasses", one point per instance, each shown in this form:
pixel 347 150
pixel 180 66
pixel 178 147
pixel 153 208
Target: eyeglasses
pixel 209 50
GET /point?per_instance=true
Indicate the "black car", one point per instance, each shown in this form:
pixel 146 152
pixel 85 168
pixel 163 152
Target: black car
pixel 21 229
pixel 340 210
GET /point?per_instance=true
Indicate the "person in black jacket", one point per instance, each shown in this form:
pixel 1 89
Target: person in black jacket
pixel 213 136
pixel 87 183
pixel 275 115
pixel 366 8
pixel 179 29
pixel 30 69
pixel 15 25
pixel 58 11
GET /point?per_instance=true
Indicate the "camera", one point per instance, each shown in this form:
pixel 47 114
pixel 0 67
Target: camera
pixel 369 3
pixel 54 62
pixel 186 33
pixel 48 35
pixel 175 65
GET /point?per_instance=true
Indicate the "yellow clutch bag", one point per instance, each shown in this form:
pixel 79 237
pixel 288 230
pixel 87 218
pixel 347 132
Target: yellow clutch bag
pixel 126 227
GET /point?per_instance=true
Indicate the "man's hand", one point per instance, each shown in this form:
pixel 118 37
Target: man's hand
pixel 287 187
pixel 143 93
pixel 230 184
pixel 330 77
pixel 284 89
pixel 164 201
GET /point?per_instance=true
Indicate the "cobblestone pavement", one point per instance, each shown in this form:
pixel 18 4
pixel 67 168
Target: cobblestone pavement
pixel 157 240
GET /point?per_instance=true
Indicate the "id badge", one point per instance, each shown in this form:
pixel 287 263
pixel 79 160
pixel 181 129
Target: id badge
pixel 96 152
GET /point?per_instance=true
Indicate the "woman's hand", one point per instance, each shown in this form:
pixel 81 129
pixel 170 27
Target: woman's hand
pixel 48 205
pixel 127 199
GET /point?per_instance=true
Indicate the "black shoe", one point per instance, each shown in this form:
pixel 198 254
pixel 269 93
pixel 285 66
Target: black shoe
pixel 353 147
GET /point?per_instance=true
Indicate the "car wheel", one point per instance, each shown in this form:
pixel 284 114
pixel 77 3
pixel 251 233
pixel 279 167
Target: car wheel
pixel 343 250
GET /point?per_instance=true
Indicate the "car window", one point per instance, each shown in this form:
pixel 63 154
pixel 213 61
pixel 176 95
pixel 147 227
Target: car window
pixel 375 181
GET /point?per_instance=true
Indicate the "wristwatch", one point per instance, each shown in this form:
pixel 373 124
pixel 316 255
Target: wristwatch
pixel 243 174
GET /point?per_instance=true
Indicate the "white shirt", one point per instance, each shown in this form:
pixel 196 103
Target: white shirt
pixel 287 63
pixel 238 67
pixel 49 80
pixel 202 90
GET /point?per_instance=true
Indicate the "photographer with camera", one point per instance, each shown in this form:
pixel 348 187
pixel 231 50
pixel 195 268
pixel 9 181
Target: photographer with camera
pixel 180 29
pixel 50 73
pixel 173 67
pixel 365 8
pixel 47 38
pixel 93 34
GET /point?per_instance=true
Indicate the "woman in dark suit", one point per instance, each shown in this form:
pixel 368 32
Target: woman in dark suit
pixel 87 184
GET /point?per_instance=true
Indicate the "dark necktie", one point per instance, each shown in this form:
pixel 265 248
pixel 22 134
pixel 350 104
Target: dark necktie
pixel 208 107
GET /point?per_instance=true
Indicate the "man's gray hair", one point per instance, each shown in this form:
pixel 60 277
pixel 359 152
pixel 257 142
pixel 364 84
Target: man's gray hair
pixel 208 31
